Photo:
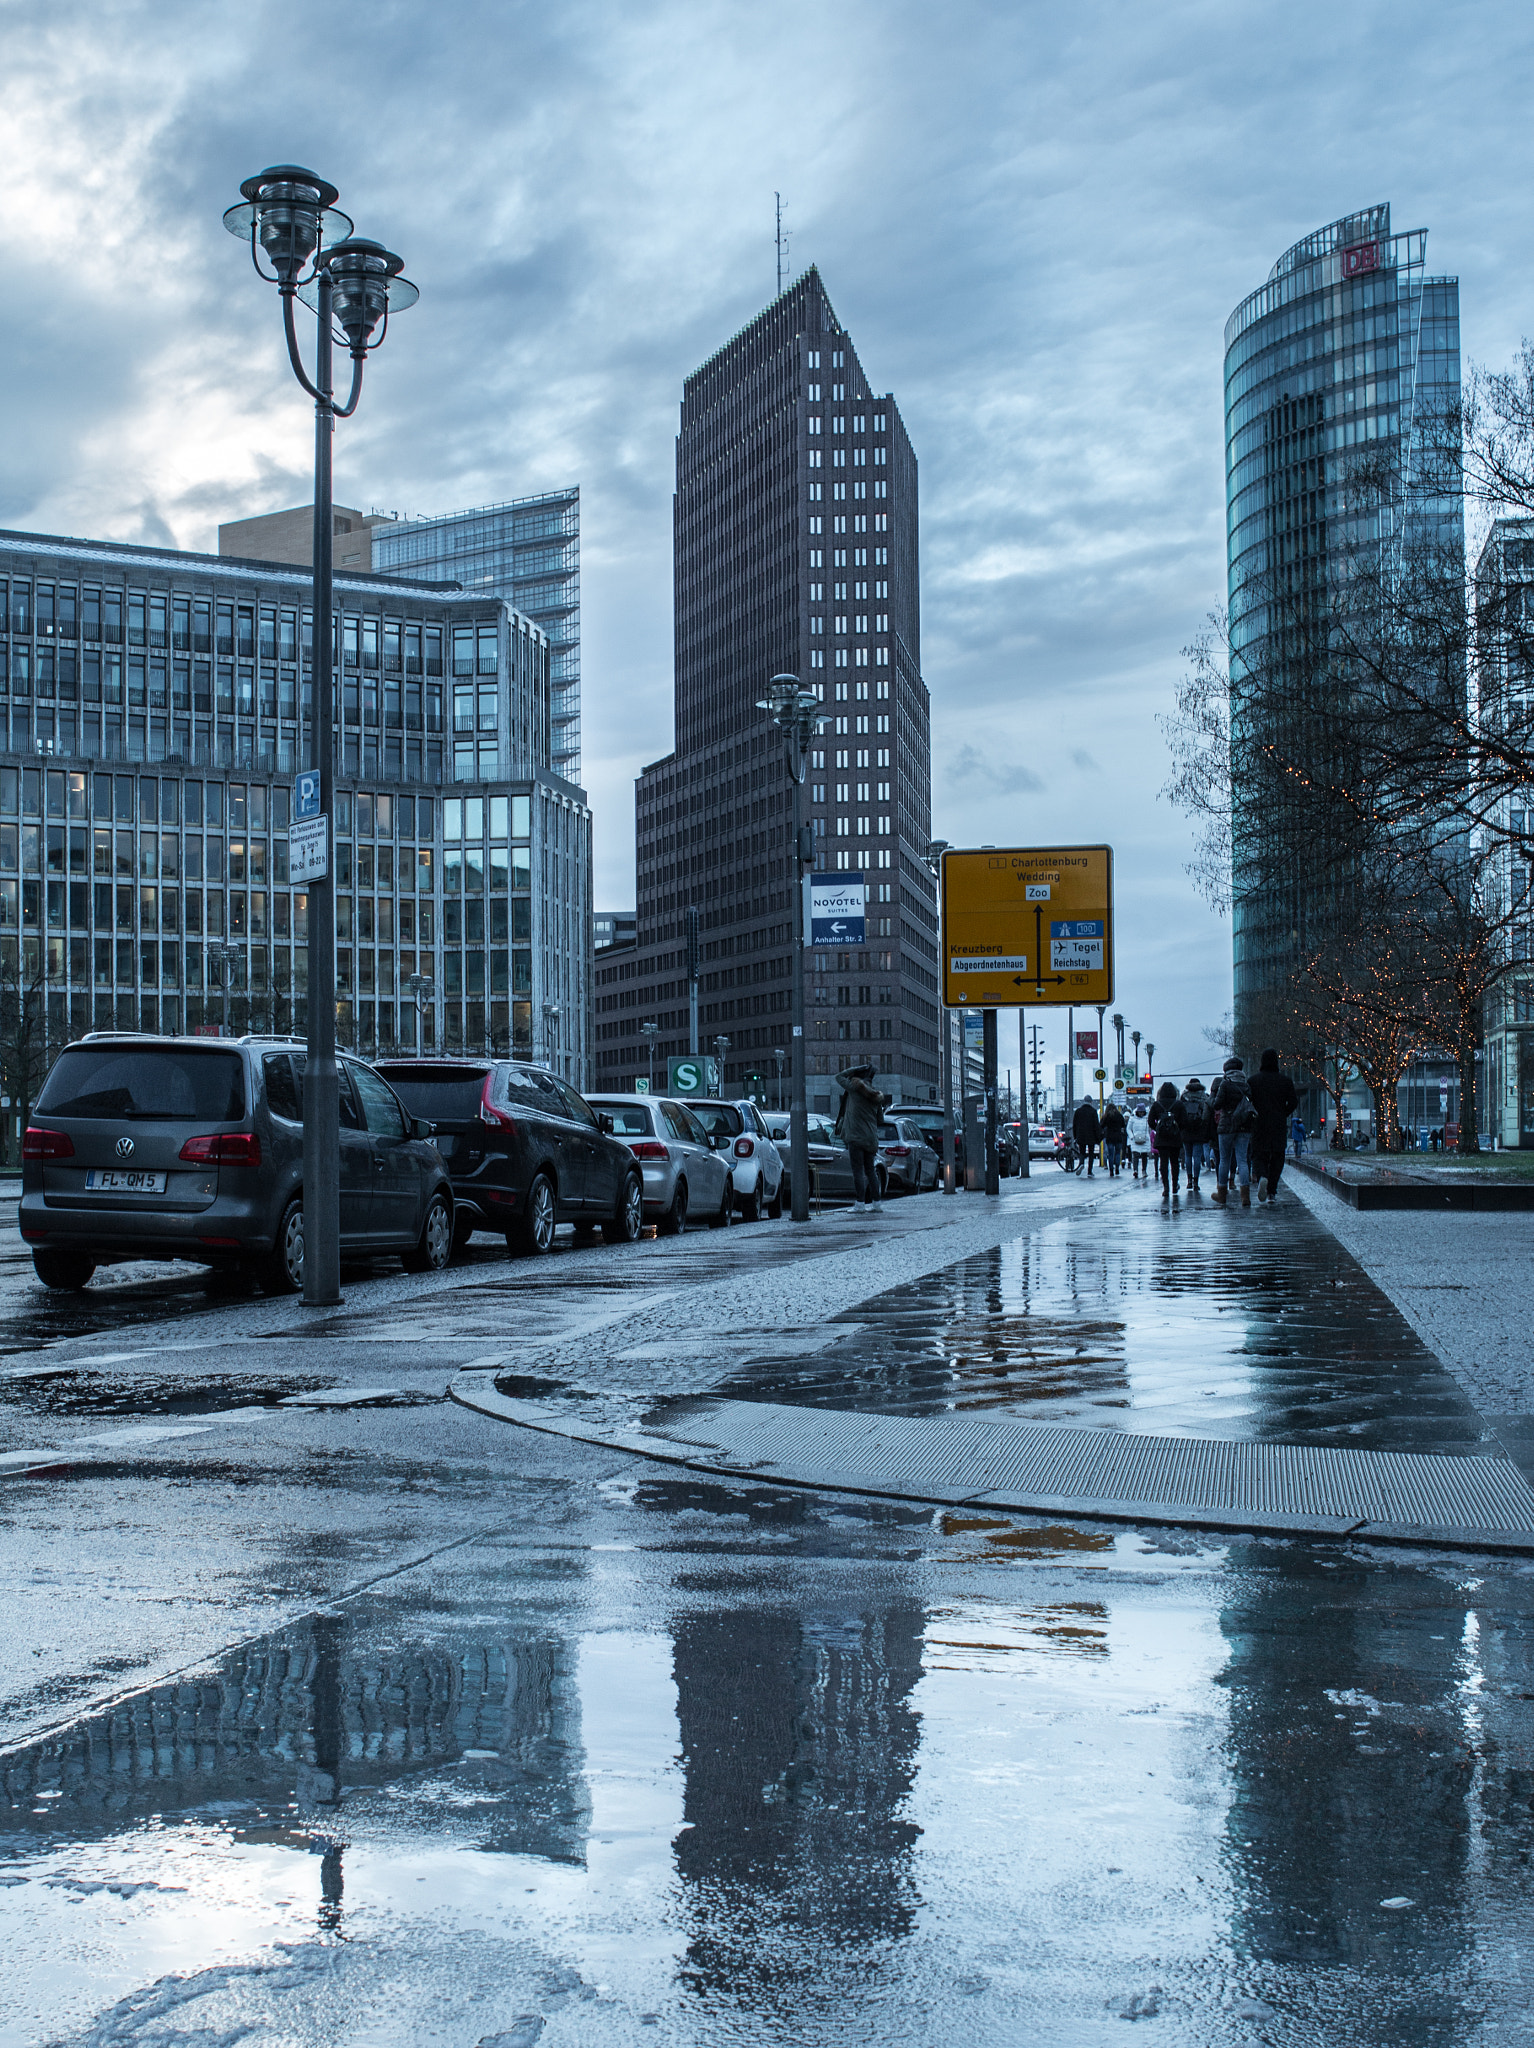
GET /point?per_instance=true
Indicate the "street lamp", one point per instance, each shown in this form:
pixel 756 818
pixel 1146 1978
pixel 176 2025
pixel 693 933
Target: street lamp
pixel 649 1033
pixel 721 1047
pixel 1150 1060
pixel 778 1058
pixel 1118 1047
pixel 423 991
pixel 288 215
pixel 794 709
pixel 1135 1040
pixel 224 956
pixel 1102 1056
pixel 933 856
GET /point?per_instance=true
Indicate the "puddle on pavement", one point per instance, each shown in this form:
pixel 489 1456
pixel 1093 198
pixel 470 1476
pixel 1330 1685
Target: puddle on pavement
pixel 1198 1322
pixel 954 1777
pixel 78 1390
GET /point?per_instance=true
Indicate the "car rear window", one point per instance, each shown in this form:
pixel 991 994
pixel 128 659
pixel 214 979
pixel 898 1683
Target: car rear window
pixel 719 1119
pixel 890 1131
pixel 630 1119
pixel 442 1095
pixel 148 1083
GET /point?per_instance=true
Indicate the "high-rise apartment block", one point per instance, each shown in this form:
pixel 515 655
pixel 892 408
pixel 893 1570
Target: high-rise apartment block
pixel 796 550
pixel 1341 370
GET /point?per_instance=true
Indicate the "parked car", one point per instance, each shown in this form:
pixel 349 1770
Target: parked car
pixel 685 1171
pixel 1009 1149
pixel 1043 1141
pixel 909 1162
pixel 525 1151
pixel 756 1165
pixel 831 1166
pixel 189 1148
pixel 929 1116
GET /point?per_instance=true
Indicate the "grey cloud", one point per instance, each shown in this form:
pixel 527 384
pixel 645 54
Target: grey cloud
pixel 1004 778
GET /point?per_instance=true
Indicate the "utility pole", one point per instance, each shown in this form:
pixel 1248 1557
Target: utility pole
pixel 934 859
pixel 721 1047
pixel 1070 1064
pixel 988 1082
pixel 692 979
pixel 795 711
pixel 650 1031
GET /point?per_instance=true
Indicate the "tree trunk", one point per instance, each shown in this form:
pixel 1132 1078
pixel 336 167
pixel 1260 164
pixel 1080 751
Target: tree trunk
pixel 1469 1115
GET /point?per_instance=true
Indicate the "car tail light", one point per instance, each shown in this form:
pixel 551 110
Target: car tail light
pixel 649 1148
pixel 489 1114
pixel 898 1151
pixel 40 1144
pixel 743 1148
pixel 223 1148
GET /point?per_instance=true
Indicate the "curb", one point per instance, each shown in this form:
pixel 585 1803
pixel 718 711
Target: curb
pixel 1480 1198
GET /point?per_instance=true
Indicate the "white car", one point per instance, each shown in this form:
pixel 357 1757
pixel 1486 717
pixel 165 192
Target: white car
pixel 685 1174
pixel 1043 1141
pixel 755 1162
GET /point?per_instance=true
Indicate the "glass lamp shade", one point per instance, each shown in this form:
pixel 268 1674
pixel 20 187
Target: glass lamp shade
pixel 367 285
pixel 288 213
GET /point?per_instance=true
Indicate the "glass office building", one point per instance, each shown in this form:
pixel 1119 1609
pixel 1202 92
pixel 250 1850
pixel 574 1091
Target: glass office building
pixel 153 708
pixel 1348 356
pixel 528 551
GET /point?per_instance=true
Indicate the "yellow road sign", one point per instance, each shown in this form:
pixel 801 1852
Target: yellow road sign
pixel 1027 925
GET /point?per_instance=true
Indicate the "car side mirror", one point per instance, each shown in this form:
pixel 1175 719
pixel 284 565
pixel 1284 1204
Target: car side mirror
pixel 420 1128
pixel 605 1122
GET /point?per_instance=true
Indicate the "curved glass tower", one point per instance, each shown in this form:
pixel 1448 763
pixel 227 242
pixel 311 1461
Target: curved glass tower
pixel 1346 359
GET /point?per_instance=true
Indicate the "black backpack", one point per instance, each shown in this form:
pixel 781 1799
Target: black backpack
pixel 1240 1115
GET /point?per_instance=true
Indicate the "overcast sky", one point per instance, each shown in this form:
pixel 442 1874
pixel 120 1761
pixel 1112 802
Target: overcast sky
pixel 1033 219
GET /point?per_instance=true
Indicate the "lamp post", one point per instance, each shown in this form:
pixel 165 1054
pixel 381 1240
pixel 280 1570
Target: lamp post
pixel 795 710
pixel 1150 1061
pixel 1102 1059
pixel 1135 1040
pixel 423 990
pixel 1118 1047
pixel 933 856
pixel 226 957
pixel 649 1032
pixel 288 216
pixel 721 1047
pixel 778 1058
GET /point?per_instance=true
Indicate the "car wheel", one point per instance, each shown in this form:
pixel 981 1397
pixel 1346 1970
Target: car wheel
pixel 282 1270
pixel 751 1206
pixel 67 1271
pixel 674 1222
pixel 540 1218
pixel 434 1248
pixel 726 1208
pixel 624 1228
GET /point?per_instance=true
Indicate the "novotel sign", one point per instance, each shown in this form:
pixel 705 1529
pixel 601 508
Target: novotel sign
pixel 1360 257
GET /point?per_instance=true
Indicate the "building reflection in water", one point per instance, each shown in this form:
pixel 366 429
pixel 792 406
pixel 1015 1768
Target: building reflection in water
pixel 294 1724
pixel 799 1745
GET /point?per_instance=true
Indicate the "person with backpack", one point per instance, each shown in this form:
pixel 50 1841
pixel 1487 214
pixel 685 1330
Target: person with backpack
pixel 1234 1117
pixel 857 1121
pixel 1275 1101
pixel 1167 1134
pixel 1297 1134
pixel 1140 1142
pixel 1115 1132
pixel 1197 1127
pixel 1087 1131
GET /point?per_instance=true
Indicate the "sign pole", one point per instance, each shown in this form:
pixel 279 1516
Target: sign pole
pixel 988 1044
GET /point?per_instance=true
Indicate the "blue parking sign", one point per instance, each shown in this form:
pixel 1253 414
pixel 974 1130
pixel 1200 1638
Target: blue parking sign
pixel 306 793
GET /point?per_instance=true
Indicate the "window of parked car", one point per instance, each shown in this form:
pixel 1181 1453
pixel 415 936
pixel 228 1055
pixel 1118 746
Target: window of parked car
pixel 152 1083
pixel 522 1088
pixel 576 1106
pixel 690 1123
pixel 283 1097
pixel 719 1119
pixel 442 1095
pixel 630 1119
pixel 677 1124
pixel 380 1105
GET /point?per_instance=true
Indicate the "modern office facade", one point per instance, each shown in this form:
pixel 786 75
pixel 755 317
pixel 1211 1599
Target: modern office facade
pixel 153 709
pixel 527 551
pixel 796 550
pixel 1345 363
pixel 1504 577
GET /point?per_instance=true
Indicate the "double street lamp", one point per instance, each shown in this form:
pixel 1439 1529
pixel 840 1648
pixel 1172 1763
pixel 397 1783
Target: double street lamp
pixel 795 710
pixel 649 1031
pixel 423 992
pixel 226 958
pixel 289 217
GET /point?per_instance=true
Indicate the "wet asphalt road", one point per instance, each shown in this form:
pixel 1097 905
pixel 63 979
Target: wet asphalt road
pixel 485 1737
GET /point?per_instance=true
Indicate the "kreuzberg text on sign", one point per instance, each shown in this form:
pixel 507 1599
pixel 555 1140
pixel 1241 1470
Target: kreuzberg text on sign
pixel 1025 927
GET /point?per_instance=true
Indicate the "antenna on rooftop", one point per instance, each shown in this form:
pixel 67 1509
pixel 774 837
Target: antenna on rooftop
pixel 778 199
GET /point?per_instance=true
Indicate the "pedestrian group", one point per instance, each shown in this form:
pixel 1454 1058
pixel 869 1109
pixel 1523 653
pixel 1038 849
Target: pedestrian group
pixel 1240 1128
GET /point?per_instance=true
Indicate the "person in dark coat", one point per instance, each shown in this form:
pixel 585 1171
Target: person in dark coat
pixel 1166 1133
pixel 1275 1100
pixel 1115 1135
pixel 1231 1103
pixel 1087 1131
pixel 858 1121
pixel 1196 1121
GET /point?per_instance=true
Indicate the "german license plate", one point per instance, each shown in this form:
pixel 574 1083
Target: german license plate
pixel 117 1180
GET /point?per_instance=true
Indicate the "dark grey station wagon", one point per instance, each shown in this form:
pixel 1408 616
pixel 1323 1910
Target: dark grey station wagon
pixel 193 1148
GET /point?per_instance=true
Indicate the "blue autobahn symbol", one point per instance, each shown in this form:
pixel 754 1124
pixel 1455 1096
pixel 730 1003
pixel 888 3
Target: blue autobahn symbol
pixel 1076 928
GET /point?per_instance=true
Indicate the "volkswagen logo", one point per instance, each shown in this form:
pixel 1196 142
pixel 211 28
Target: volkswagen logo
pixel 125 1148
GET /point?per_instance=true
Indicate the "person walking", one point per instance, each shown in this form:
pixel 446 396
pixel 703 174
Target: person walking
pixel 1234 1117
pixel 1087 1131
pixel 1139 1142
pixel 1168 1135
pixel 1197 1125
pixel 1297 1134
pixel 1115 1132
pixel 1275 1101
pixel 858 1120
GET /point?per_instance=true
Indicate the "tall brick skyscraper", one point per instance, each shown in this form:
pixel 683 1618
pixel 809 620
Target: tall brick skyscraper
pixel 796 549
